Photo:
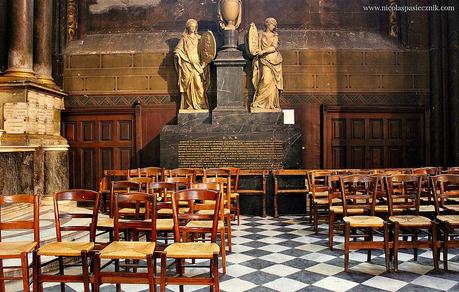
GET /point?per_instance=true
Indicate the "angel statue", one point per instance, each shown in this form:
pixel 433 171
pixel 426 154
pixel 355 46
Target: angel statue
pixel 193 54
pixel 267 67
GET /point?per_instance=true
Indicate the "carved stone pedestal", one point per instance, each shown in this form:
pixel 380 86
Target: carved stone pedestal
pixel 33 154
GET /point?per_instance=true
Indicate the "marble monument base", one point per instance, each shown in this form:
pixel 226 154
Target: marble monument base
pixel 247 142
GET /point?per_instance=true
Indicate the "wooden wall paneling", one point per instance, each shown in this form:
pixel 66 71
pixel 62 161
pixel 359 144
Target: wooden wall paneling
pixel 373 137
pixel 308 117
pixel 99 139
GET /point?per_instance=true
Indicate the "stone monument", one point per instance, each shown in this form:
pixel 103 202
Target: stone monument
pixel 230 135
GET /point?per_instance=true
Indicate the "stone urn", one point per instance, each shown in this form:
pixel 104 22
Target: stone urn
pixel 230 10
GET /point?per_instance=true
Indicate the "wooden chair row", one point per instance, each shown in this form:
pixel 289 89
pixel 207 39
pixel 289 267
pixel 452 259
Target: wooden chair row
pixel 118 249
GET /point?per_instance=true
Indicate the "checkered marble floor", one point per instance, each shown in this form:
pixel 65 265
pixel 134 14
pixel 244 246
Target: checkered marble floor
pixel 283 254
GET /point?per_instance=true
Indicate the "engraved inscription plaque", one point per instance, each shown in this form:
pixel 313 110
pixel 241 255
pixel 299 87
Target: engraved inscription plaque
pixel 248 154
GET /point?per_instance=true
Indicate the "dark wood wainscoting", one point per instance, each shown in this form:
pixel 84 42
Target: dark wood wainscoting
pixel 374 137
pixel 112 138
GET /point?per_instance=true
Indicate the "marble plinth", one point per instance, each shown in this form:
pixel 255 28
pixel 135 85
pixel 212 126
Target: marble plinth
pixel 193 118
pixel 245 145
pixel 236 118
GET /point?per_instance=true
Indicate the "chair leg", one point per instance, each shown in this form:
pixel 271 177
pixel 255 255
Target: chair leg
pixel 445 245
pixel 84 267
pixel 2 282
pixel 238 211
pixel 396 244
pixel 331 229
pixel 276 202
pixel 215 273
pixel 96 272
pixel 117 269
pixel 151 273
pixel 34 271
pixel 415 250
pixel 316 219
pixel 230 244
pixel 162 281
pixel 386 246
pixel 25 272
pixel 37 271
pixel 347 234
pixel 434 246
pixel 370 239
pixel 223 250
pixel 61 272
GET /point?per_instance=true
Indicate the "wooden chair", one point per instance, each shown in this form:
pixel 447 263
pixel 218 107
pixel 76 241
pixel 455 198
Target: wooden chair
pixel 124 186
pixel 181 249
pixel 358 192
pixel 129 250
pixel 208 209
pixel 445 188
pixel 164 192
pixel 110 175
pixel 182 172
pixel 225 182
pixel 19 249
pixel 157 173
pixel 319 199
pixel 252 182
pixel 75 249
pixel 235 201
pixel 403 193
pixel 280 189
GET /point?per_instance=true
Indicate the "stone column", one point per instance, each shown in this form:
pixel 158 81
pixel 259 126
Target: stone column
pixel 43 41
pixel 3 35
pixel 20 53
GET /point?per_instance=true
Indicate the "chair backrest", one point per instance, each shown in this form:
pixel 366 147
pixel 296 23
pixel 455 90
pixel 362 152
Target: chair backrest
pixel 234 171
pixel 144 221
pixel 163 192
pixel 445 187
pixel 152 171
pixel 425 170
pixel 20 224
pixel 225 183
pixel 61 216
pixel 122 186
pixel 217 172
pixel 318 181
pixel 403 192
pixel 182 172
pixel 182 182
pixel 359 192
pixel 334 190
pixel 181 219
pixel 143 181
pixel 111 175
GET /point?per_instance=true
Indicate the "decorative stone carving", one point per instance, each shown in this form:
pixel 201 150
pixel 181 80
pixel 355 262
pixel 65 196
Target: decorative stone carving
pixel 229 14
pixel 267 68
pixel 192 56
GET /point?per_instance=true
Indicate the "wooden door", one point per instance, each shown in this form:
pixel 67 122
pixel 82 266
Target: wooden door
pixel 98 140
pixel 373 137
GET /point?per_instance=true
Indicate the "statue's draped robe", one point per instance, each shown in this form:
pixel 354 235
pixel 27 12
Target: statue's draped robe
pixel 267 74
pixel 190 73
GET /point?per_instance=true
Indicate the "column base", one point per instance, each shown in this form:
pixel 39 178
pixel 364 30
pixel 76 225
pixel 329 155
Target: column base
pixel 18 73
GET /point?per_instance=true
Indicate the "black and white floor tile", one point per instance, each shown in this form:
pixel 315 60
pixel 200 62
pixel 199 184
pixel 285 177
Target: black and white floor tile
pixel 283 254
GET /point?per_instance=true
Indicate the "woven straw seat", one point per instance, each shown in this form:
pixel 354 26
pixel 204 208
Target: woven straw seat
pixel 324 201
pixel 427 208
pixel 385 209
pixel 192 250
pixel 210 212
pixel 169 211
pixel 128 250
pixel 451 219
pixel 411 220
pixel 164 224
pixel 105 222
pixel 321 194
pixel 364 221
pixel 454 208
pixel 204 224
pixel 234 195
pixel 16 248
pixel 65 249
pixel 131 210
pixel 339 210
